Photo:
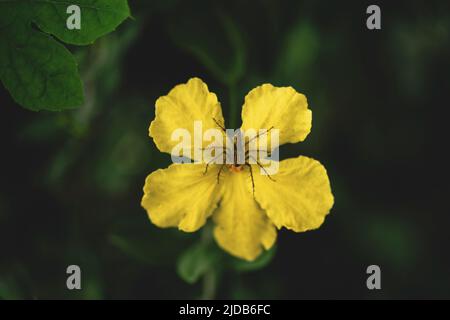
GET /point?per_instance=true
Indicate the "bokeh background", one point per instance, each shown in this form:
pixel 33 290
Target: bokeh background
pixel 71 182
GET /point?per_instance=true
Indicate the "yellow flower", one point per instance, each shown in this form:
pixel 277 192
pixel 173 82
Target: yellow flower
pixel 245 216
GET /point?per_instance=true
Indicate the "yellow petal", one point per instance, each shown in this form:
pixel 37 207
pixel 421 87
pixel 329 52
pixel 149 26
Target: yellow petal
pixel 185 104
pixel 242 228
pixel 181 195
pixel 282 108
pixel 299 198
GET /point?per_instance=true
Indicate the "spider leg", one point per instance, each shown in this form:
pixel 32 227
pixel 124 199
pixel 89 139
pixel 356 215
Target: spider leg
pixel 218 174
pixel 224 152
pixel 213 159
pixel 219 125
pixel 212 147
pixel 247 152
pixel 251 176
pixel 257 136
pixel 259 165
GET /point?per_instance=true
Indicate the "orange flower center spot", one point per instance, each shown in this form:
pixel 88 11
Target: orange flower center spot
pixel 235 168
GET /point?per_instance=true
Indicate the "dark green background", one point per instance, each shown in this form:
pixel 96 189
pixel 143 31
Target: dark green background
pixel 71 182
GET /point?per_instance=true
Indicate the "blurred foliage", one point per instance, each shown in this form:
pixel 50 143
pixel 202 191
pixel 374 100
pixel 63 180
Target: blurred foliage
pixel 196 261
pixel 259 263
pixel 72 182
pixel 38 71
pixel 205 256
pixel 190 34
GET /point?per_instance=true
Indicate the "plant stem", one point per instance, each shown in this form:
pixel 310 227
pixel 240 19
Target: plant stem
pixel 210 277
pixel 209 285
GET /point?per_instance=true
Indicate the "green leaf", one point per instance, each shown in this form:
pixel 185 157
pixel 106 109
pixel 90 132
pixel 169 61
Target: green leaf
pixel 39 72
pixel 259 263
pixel 196 261
pixel 98 17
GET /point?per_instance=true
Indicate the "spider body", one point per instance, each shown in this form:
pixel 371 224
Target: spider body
pixel 236 166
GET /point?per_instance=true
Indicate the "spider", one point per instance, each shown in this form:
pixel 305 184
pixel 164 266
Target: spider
pixel 236 166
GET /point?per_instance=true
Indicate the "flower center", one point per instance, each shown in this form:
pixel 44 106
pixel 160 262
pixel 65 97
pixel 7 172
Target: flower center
pixel 235 167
